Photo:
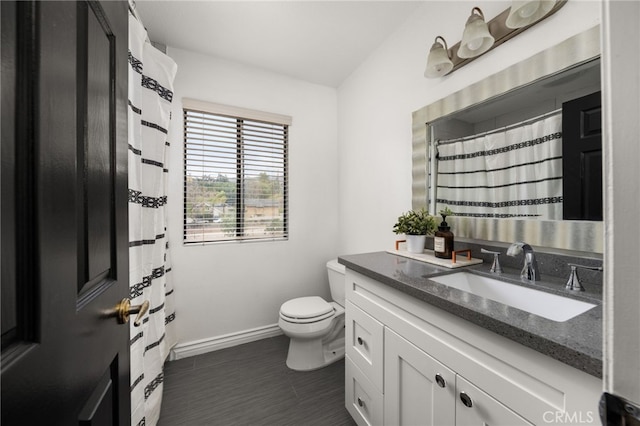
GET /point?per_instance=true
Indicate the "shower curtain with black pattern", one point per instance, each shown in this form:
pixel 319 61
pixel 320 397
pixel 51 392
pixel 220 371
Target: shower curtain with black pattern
pixel 514 172
pixel 151 75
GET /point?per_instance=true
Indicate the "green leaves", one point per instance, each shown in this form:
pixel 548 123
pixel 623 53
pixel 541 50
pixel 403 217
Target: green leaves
pixel 415 222
pixel 445 212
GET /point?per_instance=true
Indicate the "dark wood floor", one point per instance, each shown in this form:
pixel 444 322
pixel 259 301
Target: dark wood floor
pixel 251 385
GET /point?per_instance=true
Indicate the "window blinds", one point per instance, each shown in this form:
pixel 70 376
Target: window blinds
pixel 235 174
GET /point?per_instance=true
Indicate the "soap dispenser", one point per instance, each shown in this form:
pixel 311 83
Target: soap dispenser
pixel 443 238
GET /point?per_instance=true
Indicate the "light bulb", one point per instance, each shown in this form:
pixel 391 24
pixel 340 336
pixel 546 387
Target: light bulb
pixel 438 62
pixel 528 10
pixel 476 38
pixel 475 44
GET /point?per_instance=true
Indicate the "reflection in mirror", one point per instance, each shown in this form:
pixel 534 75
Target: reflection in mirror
pixel 523 154
pixel 468 113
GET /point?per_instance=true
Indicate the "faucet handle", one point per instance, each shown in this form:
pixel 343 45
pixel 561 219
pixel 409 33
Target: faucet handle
pixel 483 250
pixel 593 268
pixel 574 281
pixel 495 266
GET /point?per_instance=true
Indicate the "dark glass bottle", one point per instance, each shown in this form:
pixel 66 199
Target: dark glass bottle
pixel 443 240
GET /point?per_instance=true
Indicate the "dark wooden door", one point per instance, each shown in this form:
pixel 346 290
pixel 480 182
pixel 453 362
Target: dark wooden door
pixel 65 358
pixel 582 158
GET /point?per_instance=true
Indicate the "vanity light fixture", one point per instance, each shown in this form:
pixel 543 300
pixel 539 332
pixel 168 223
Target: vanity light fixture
pixel 480 37
pixel 526 12
pixel 476 38
pixel 439 61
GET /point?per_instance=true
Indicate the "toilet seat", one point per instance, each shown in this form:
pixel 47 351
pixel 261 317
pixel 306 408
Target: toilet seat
pixel 304 310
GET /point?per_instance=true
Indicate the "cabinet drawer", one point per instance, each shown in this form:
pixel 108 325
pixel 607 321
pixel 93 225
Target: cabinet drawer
pixel 363 401
pixel 364 343
pixel 475 407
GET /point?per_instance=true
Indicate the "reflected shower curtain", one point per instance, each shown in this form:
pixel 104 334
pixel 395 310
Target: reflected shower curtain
pixel 151 75
pixel 515 172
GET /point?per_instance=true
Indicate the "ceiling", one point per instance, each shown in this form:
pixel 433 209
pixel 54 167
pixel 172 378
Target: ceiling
pixel 321 42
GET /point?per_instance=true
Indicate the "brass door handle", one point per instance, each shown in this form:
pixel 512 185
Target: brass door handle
pixel 124 309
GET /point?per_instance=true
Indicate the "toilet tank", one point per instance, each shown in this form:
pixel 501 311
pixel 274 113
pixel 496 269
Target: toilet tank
pixel 336 273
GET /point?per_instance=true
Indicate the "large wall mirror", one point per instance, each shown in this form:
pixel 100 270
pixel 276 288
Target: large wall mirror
pixel 548 191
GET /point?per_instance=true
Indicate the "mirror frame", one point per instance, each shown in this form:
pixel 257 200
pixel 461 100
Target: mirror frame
pixel 583 236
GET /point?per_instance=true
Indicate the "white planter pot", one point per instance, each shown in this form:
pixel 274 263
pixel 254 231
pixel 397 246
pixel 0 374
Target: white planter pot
pixel 415 243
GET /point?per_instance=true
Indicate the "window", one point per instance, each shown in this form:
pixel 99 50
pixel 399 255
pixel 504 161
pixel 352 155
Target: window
pixel 235 174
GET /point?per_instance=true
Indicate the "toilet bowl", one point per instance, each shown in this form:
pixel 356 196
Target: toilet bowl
pixel 315 326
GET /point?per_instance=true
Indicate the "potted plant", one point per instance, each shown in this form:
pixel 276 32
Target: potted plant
pixel 416 225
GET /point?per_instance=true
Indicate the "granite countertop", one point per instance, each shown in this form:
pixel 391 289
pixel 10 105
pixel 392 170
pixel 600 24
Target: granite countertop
pixel 576 342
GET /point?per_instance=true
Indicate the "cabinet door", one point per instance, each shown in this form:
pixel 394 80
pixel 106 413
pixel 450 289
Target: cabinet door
pixel 475 407
pixel 418 390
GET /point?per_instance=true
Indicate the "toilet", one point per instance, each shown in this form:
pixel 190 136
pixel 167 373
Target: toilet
pixel 315 326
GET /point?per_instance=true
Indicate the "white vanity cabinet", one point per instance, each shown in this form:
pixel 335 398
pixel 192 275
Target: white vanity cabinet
pixel 363 401
pixel 418 389
pixel 364 343
pixel 411 363
pixel 477 408
pixel 364 337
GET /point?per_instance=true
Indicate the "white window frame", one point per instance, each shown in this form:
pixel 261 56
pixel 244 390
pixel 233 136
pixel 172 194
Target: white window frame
pixel 237 229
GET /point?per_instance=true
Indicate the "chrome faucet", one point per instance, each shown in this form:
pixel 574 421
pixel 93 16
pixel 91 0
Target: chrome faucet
pixel 530 270
pixel 495 267
pixel 574 281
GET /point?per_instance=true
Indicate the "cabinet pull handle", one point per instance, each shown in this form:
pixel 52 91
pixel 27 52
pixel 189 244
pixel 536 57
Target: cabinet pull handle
pixel 466 399
pixel 440 381
pixel 360 341
pixel 360 402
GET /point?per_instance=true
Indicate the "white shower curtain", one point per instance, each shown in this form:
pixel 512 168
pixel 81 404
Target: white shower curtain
pixel 151 75
pixel 512 173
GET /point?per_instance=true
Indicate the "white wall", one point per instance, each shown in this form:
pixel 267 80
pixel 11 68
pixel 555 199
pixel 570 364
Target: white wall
pixel 621 106
pixel 229 288
pixel 375 105
pixel 350 161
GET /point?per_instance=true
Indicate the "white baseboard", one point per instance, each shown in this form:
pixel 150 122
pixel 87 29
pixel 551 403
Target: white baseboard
pixel 184 350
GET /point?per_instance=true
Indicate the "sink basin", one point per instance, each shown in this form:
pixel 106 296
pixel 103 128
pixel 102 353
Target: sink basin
pixel 546 305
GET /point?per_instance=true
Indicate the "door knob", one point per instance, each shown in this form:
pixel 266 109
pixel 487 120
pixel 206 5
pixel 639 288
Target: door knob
pixel 124 309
